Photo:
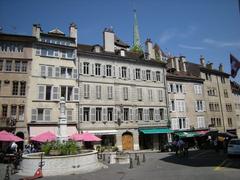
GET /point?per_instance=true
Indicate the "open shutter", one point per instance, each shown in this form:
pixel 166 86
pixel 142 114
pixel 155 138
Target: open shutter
pixel 134 74
pixel 161 77
pixel 203 103
pixel 119 72
pixel 196 106
pixel 57 71
pixel 154 76
pixel 155 116
pixel 75 74
pixel 47 114
pixel 187 123
pixel 103 70
pixel 34 114
pixel 93 114
pixel 165 116
pixel 80 68
pixel 41 93
pixel 114 73
pixel 160 93
pixel 76 94
pixel 50 71
pixel 128 73
pixel 92 70
pixel 169 88
pixel 183 89
pixel 104 115
pixel 80 114
pixel 43 71
pixel 55 93
pixel 116 114
pixel 174 88
pixel 143 75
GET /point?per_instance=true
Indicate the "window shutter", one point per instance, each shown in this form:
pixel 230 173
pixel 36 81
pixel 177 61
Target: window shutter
pixel 34 114
pixel 134 73
pixel 174 88
pixel 55 95
pixel 93 68
pixel 156 117
pixel 75 73
pixel 119 72
pixel 196 89
pixel 50 71
pixel 80 68
pixel 41 93
pixel 183 89
pixel 110 92
pixel 104 115
pixel 143 75
pixel 147 115
pixel 154 76
pixel 160 92
pixel 93 114
pixel 161 77
pixel 116 114
pixel 76 94
pixel 80 114
pixel 103 70
pixel 57 71
pixel 187 123
pixel 203 104
pixel 165 114
pixel 196 106
pixel 170 105
pixel 128 73
pixel 169 88
pixel 114 73
pixel 130 114
pixel 69 115
pixel 47 114
pixel 43 70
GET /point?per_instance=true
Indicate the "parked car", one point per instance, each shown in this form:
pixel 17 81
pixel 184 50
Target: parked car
pixel 233 147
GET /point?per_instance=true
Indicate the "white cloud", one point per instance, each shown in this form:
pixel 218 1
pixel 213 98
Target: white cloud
pixel 190 47
pixel 221 43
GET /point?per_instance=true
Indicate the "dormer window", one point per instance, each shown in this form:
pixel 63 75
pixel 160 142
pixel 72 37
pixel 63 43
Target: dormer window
pixel 122 52
pixel 97 49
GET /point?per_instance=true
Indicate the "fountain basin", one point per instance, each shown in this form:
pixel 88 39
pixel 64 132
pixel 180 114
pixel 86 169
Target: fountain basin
pixel 60 165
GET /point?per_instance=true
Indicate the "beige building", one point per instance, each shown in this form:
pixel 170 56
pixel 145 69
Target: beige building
pixel 54 75
pixel 217 90
pixel 15 69
pixel 186 97
pixel 236 103
pixel 122 94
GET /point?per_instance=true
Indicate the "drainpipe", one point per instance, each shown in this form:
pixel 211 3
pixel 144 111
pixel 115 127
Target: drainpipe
pixel 224 129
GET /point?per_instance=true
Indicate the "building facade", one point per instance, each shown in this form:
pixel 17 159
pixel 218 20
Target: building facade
pixel 121 94
pixel 236 103
pixel 15 70
pixel 54 75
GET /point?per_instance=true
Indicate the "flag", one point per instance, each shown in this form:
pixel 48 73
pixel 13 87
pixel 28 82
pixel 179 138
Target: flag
pixel 235 65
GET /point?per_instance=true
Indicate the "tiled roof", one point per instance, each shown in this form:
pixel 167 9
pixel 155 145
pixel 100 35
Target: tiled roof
pixel 183 76
pixel 119 42
pixel 15 37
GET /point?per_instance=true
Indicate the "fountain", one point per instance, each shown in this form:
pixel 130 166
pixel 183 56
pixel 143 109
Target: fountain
pixel 62 122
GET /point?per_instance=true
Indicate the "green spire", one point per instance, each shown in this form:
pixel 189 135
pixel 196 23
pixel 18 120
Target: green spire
pixel 136 41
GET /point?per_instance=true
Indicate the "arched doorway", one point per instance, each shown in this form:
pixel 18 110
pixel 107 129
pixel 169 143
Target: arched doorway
pixel 20 144
pixel 127 141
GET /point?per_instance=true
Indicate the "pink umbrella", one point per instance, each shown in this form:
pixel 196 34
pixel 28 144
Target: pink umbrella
pixel 90 137
pixel 6 136
pixel 44 137
pixel 76 137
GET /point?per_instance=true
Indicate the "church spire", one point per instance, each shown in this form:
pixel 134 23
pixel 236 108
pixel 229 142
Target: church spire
pixel 136 38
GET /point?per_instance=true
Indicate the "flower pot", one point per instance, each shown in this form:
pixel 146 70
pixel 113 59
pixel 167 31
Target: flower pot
pixel 54 152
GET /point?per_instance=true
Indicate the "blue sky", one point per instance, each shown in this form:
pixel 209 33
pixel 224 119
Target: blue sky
pixel 181 27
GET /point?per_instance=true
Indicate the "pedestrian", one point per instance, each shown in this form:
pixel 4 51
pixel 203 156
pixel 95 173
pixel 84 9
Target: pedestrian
pixel 185 151
pixel 13 148
pixel 180 145
pixel 215 144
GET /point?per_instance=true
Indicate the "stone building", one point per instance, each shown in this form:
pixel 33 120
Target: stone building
pixel 122 94
pixel 236 103
pixel 218 98
pixel 54 75
pixel 15 69
pixel 186 97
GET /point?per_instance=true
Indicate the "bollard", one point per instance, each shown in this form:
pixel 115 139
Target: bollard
pixel 131 163
pixel 7 173
pixel 135 156
pixel 144 158
pixel 138 161
pixel 103 157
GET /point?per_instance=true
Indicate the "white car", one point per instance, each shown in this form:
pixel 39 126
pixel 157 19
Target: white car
pixel 234 147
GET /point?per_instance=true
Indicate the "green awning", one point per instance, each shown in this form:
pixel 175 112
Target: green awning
pixel 156 131
pixel 187 134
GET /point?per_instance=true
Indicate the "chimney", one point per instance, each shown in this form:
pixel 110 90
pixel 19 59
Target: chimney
pixel 183 63
pixel 221 68
pixel 209 65
pixel 36 30
pixel 108 40
pixel 202 61
pixel 73 31
pixel 149 49
pixel 176 63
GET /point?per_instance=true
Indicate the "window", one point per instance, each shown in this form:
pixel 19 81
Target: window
pixel 138 76
pixel 225 93
pixel 150 95
pixel 180 105
pixel 219 123
pixel 172 105
pixel 48 92
pixel 85 68
pixel 139 94
pixel 160 95
pixel 229 107
pixel 41 114
pixel 124 72
pixel 67 93
pixel 66 72
pixel 125 93
pixel 8 66
pixel 21 113
pixel 199 106
pixel 151 112
pixel 179 88
pixel 1 65
pixel 97 69
pixel 125 114
pixel 158 76
pixel 69 114
pixel 110 114
pixel 22 88
pixel 140 114
pixel 24 66
pixel 161 113
pixel 148 74
pixel 198 89
pixel 230 122
pixel 222 79
pixel 212 91
pixel 110 92
pixel 86 89
pixel 4 110
pixel 98 92
pixel 15 88
pixel 86 112
pixel 17 66
pixel 109 70
pixel 182 123
pixel 98 114
pixel 200 122
pixel 13 110
pixel 213 122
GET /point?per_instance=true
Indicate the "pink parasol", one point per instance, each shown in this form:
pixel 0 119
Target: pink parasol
pixel 6 136
pixel 44 137
pixel 84 137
